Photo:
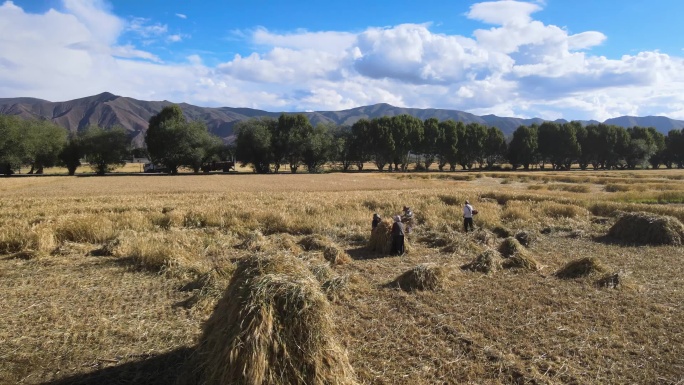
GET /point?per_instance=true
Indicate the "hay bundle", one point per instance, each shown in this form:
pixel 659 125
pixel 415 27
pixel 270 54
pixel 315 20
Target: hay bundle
pixel 487 262
pixel 510 246
pixel 272 326
pixel 502 232
pixel 581 268
pixel 426 276
pixel 647 228
pixel 334 288
pixel 254 241
pixel 522 260
pixel 335 255
pixel 286 242
pixel 315 242
pixel 321 271
pixel 484 237
pixel 381 238
pixel 525 238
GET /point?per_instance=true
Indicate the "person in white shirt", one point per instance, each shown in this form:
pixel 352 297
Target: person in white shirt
pixel 468 217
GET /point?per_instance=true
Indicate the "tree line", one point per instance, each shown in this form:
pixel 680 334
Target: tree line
pixel 394 143
pixel 389 143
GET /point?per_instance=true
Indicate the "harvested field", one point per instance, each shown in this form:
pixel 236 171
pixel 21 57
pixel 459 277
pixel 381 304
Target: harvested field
pixel 128 301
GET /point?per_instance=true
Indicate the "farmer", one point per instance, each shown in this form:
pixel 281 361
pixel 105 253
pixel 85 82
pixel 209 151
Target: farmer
pixel 468 213
pixel 397 236
pixel 376 220
pixel 407 219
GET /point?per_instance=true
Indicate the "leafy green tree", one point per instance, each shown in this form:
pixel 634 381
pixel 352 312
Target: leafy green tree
pixel 12 148
pixel 471 144
pixel 105 150
pixel 318 148
pixel 174 142
pixel 641 147
pixel 289 140
pixel 558 144
pixel 658 158
pixel 429 147
pixel 674 149
pixel 494 147
pixel 447 144
pixel 381 141
pixel 253 144
pixel 360 143
pixel 407 135
pixel 522 151
pixel 43 141
pixel 71 154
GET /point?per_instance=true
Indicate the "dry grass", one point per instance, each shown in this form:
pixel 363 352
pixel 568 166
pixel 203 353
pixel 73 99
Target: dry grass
pixel 130 309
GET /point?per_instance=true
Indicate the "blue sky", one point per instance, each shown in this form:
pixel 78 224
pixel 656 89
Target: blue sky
pixel 551 59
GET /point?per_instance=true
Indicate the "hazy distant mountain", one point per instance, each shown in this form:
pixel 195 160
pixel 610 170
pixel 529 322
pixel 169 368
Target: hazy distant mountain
pixel 107 110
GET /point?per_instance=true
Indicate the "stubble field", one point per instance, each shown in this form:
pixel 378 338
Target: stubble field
pixel 109 280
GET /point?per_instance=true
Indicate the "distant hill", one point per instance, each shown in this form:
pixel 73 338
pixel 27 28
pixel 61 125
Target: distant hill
pixel 107 110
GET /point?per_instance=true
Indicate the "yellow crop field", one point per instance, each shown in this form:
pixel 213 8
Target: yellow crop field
pixel 116 280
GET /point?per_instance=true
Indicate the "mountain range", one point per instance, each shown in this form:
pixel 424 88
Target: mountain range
pixel 108 110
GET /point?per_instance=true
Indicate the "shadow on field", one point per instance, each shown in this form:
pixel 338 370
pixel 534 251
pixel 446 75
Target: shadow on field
pixel 361 253
pixel 161 369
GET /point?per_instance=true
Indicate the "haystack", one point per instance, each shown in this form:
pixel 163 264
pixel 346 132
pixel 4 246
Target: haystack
pixel 487 262
pixel 502 232
pixel 648 228
pixel 521 261
pixel 484 237
pixel 510 246
pixel 272 326
pixel 336 255
pixel 581 268
pixel 254 241
pixel 525 238
pixel 286 242
pixel 335 288
pixel 315 242
pixel 321 271
pixel 381 238
pixel 426 276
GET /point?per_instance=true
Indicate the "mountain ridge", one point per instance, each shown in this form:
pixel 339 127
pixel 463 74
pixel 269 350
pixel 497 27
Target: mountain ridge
pixel 107 110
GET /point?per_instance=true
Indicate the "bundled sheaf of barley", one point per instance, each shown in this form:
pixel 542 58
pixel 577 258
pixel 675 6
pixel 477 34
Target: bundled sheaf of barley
pixel 487 262
pixel 517 256
pixel 510 246
pixel 272 326
pixel 581 268
pixel 381 237
pixel 426 276
pixel 647 228
pixel 286 242
pixel 315 242
pixel 336 255
pixel 254 241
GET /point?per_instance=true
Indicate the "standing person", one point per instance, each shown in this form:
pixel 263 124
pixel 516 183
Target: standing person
pixel 468 213
pixel 376 220
pixel 397 236
pixel 407 219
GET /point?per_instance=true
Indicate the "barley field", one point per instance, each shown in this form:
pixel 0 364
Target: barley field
pixel 112 280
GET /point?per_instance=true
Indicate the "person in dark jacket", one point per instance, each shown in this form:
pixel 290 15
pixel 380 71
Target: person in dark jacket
pixel 376 220
pixel 397 236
